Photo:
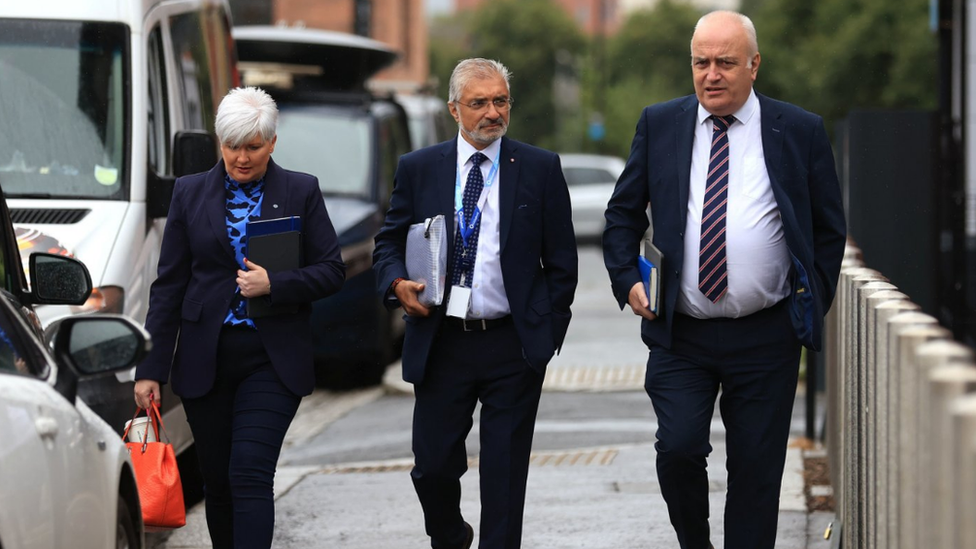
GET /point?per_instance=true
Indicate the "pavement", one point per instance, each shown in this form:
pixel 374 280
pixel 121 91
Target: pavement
pixel 600 497
pixel 604 497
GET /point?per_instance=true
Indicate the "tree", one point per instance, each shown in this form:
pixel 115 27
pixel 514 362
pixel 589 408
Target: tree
pixel 448 43
pixel 836 55
pixel 526 35
pixel 648 61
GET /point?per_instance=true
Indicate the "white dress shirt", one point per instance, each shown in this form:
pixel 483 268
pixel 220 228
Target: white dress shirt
pixel 758 260
pixel 488 297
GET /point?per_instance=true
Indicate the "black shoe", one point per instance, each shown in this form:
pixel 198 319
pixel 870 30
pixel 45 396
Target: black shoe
pixel 470 540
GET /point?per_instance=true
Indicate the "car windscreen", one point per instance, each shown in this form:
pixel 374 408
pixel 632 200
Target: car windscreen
pixel 331 144
pixel 63 86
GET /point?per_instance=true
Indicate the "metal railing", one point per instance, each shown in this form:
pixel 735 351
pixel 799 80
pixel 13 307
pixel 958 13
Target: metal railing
pixel 901 419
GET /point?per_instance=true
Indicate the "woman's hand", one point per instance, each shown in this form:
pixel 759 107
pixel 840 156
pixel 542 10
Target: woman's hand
pixel 144 390
pixel 254 281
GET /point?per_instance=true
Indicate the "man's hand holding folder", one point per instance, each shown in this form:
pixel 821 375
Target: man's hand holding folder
pixel 645 296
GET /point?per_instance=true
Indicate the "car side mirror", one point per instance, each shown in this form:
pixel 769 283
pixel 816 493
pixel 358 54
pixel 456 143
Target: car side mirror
pixel 93 346
pixel 58 280
pixel 194 151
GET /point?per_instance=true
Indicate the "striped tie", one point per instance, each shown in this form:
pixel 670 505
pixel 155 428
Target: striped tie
pixel 712 274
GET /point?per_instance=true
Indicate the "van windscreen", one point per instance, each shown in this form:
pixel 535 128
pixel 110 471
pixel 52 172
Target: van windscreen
pixel 332 144
pixel 62 118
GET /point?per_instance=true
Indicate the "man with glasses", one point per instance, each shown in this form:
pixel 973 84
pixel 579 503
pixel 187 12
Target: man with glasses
pixel 511 277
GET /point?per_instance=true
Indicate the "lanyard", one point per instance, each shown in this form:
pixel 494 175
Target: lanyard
pixel 467 229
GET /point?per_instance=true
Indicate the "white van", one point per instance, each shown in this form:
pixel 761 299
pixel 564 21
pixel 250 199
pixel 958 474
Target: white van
pixel 103 104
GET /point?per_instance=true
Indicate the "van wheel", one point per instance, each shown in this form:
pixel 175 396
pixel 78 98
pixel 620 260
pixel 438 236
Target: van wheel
pixel 125 527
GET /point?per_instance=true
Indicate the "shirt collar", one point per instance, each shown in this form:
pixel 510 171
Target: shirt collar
pixel 233 184
pixel 743 115
pixel 466 150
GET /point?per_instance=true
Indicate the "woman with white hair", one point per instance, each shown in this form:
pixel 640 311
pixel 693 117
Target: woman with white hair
pixel 240 378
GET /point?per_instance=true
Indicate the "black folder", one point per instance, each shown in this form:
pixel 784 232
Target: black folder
pixel 275 252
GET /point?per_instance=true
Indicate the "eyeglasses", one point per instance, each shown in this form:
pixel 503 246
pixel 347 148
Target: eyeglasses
pixel 501 104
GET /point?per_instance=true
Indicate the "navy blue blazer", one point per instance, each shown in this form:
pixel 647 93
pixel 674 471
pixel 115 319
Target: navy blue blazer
pixel 197 279
pixel 538 246
pixel 801 171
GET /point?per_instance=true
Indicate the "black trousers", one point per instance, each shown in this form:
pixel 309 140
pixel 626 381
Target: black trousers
pixel 755 362
pixel 466 367
pixel 238 429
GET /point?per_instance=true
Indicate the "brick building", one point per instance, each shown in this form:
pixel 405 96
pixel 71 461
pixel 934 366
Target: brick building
pixel 400 23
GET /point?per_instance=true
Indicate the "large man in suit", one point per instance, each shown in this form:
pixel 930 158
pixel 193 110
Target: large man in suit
pixel 512 273
pixel 747 212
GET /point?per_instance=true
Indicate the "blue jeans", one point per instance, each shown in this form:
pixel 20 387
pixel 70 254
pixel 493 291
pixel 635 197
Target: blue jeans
pixel 238 428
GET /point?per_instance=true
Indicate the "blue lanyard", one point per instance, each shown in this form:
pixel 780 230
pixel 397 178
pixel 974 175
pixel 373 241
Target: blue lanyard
pixel 467 229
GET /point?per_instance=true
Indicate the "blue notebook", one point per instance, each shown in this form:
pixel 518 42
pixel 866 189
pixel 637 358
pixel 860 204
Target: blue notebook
pixel 272 226
pixel 275 245
pixel 649 265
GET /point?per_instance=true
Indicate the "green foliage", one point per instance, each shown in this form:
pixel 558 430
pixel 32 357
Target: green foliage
pixel 655 46
pixel 448 44
pixel 836 55
pixel 648 61
pixel 828 56
pixel 524 35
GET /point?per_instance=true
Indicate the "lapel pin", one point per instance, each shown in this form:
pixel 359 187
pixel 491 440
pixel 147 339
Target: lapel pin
pixel 274 205
pixel 511 160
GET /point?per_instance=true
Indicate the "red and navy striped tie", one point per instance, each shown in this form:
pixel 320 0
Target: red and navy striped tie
pixel 713 278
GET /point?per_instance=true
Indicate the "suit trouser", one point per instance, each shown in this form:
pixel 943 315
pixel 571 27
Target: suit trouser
pixel 465 367
pixel 238 429
pixel 755 361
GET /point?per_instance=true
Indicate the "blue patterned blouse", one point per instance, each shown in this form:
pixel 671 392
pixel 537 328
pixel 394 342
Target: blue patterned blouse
pixel 243 204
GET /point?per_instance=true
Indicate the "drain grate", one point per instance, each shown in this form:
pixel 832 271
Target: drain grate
pixel 624 377
pixel 557 458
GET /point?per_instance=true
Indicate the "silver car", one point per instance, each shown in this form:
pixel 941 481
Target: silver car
pixel 591 179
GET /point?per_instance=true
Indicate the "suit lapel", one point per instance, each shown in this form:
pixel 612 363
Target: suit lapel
pixel 275 201
pixel 684 132
pixel 508 182
pixel 772 139
pixel 447 178
pixel 216 206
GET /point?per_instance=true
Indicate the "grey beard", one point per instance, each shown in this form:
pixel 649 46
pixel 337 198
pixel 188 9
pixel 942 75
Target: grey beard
pixel 483 138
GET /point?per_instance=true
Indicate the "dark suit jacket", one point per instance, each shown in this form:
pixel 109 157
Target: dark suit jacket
pixel 197 280
pixel 538 246
pixel 801 171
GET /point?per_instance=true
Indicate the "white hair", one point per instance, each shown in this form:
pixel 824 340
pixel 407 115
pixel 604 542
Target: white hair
pixel 246 113
pixel 478 68
pixel 747 26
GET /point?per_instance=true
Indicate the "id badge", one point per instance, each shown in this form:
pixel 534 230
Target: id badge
pixel 457 303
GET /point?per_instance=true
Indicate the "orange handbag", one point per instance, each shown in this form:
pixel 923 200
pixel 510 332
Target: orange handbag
pixel 157 476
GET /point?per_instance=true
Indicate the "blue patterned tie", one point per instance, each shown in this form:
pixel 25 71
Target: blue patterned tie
pixel 712 273
pixel 464 262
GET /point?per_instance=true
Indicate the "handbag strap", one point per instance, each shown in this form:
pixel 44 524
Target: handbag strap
pixel 155 421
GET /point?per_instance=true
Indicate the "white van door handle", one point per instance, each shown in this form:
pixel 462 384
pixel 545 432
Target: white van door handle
pixel 47 427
